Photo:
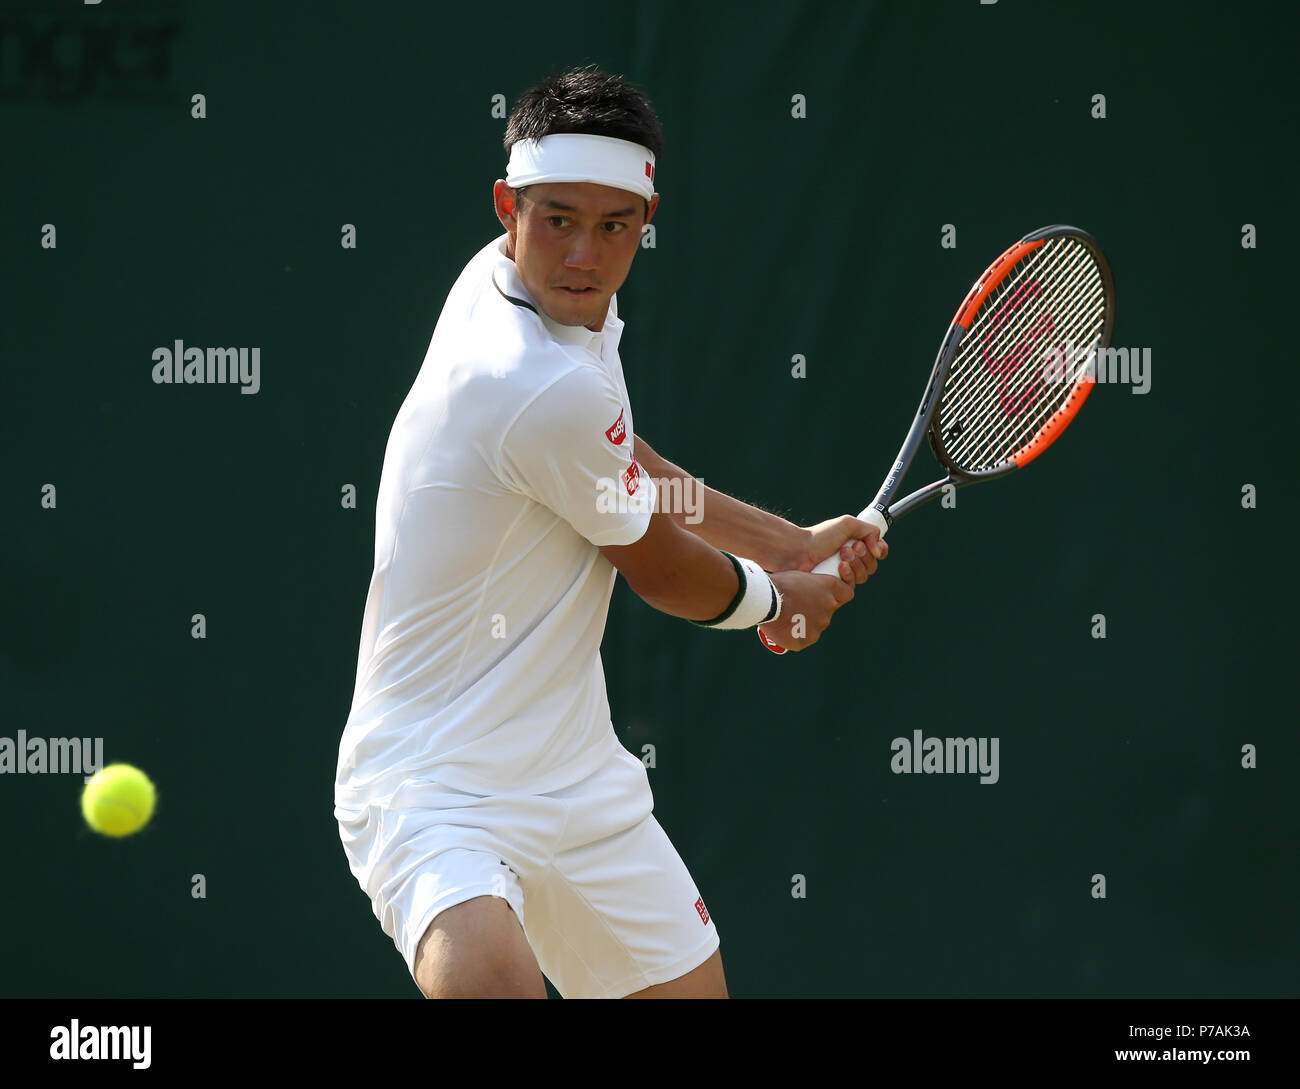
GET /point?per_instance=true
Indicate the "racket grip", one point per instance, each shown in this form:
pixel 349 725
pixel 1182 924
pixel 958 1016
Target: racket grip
pixel 831 564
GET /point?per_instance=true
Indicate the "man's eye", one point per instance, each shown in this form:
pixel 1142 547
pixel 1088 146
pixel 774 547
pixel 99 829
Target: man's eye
pixel 612 226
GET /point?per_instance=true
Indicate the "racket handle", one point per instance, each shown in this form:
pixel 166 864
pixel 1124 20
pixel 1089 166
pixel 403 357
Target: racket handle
pixel 831 565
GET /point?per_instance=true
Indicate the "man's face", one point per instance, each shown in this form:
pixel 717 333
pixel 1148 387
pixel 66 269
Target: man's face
pixel 573 243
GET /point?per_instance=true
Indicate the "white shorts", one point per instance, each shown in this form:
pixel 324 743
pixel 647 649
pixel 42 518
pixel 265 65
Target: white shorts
pixel 606 902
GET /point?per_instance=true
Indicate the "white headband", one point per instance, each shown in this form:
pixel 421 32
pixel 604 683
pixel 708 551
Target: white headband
pixel 581 157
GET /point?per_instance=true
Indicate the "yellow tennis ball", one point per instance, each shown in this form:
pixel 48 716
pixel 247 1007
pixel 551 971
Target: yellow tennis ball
pixel 118 800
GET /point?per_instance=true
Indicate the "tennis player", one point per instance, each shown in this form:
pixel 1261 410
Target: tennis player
pixel 485 804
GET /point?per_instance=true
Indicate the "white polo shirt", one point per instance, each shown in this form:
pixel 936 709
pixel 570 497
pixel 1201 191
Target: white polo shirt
pixel 509 463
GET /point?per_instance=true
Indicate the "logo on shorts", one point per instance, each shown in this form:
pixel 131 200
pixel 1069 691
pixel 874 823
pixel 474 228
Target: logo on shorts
pixel 632 478
pixel 618 432
pixel 704 912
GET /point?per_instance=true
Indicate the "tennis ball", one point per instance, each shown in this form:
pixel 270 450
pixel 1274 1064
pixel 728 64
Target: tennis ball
pixel 118 800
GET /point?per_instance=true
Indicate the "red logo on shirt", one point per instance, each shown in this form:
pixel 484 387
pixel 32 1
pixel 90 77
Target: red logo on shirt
pixel 618 432
pixel 632 478
pixel 704 912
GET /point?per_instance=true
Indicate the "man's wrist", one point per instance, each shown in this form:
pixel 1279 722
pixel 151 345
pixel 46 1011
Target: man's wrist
pixel 791 550
pixel 757 599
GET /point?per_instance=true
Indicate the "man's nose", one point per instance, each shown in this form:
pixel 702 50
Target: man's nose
pixel 582 250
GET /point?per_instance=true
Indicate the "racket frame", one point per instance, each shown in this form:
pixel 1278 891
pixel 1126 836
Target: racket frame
pixel 925 423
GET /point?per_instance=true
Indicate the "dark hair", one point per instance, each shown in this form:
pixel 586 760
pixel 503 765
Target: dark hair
pixel 584 100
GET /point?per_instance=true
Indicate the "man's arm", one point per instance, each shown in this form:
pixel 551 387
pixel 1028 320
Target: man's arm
pixel 674 572
pixel 736 527
pixel 722 521
pixel 679 574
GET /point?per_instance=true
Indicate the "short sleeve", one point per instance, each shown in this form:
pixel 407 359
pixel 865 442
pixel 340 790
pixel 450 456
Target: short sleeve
pixel 571 450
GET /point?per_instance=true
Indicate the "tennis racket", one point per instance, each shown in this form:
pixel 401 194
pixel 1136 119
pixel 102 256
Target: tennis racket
pixel 1015 365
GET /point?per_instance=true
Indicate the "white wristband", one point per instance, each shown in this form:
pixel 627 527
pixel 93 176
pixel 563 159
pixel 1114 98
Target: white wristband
pixel 756 601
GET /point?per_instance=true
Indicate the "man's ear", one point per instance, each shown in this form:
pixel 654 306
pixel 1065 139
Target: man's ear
pixel 503 199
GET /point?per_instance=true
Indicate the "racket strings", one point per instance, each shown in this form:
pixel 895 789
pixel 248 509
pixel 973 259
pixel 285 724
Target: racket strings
pixel 1037 395
pixel 1056 267
pixel 1004 433
pixel 997 394
pixel 1016 394
pixel 967 413
pixel 978 336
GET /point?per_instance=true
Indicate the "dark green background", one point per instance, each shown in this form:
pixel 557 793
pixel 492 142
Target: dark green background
pixel 775 236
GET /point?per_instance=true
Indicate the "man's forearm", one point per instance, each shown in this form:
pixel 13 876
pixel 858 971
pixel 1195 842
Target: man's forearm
pixel 723 521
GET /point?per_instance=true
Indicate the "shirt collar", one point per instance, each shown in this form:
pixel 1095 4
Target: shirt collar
pixel 506 276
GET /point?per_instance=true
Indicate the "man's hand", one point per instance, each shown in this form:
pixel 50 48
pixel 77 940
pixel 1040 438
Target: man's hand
pixel 810 600
pixel 807 604
pixel 857 542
